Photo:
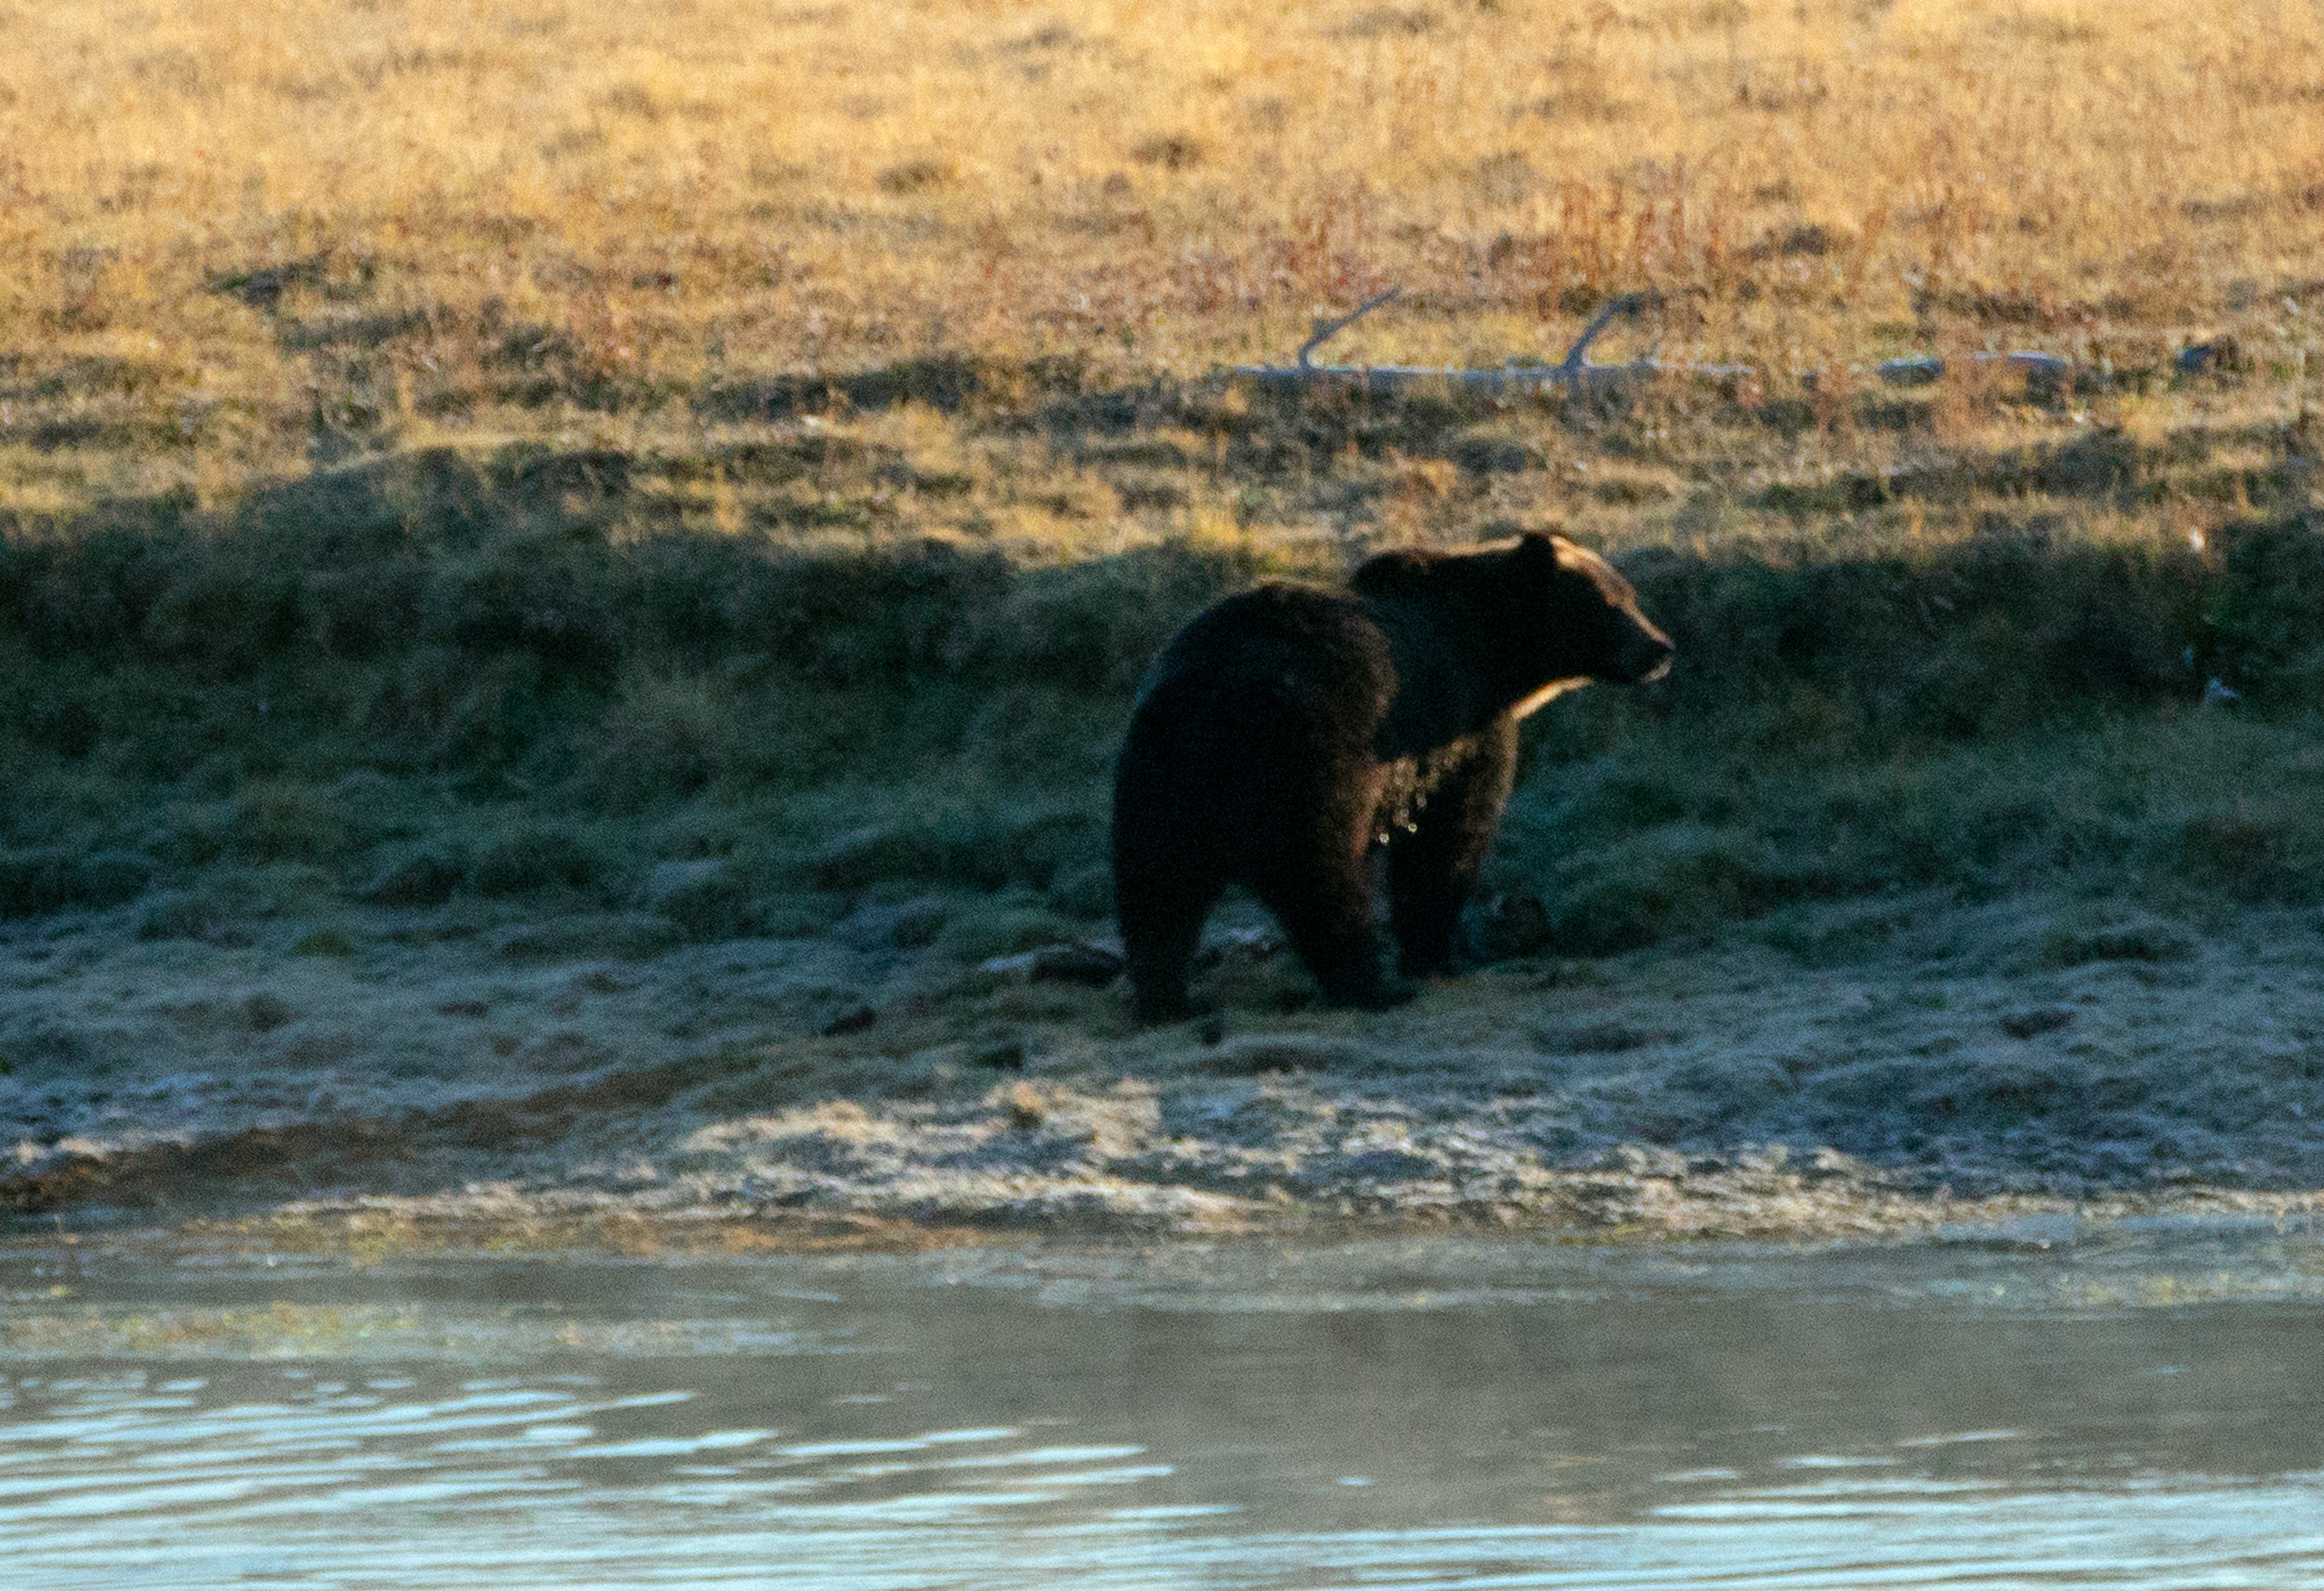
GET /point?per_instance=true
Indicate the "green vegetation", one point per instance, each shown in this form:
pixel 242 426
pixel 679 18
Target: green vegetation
pixel 440 680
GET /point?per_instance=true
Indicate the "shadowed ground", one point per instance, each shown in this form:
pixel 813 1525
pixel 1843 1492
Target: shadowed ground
pixel 478 821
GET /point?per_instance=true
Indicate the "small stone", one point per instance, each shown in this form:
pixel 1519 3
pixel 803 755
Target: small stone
pixel 325 941
pixel 1078 963
pixel 265 1013
pixel 1026 1109
pixel 1240 944
pixel 2041 1019
pixel 1512 926
pixel 854 1019
pixel 423 881
pixel 1260 1056
pixel 1827 1164
pixel 917 924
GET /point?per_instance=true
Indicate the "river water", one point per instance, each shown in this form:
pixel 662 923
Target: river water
pixel 2031 1407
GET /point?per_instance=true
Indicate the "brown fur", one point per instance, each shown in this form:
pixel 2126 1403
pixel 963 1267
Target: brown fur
pixel 1288 731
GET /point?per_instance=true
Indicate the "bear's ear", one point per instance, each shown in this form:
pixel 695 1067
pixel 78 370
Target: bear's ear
pixel 1538 549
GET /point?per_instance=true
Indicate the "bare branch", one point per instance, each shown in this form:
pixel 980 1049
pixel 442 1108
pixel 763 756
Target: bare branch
pixel 1325 330
pixel 1578 373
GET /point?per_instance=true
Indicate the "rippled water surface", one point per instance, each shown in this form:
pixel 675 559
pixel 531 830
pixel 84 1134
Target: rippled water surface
pixel 2139 1409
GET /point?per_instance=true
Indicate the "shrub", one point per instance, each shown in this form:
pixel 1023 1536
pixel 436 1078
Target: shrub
pixel 1848 715
pixel 35 883
pixel 277 821
pixel 527 860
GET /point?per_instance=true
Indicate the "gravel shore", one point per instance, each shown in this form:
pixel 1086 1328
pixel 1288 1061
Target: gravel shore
pixel 1861 1071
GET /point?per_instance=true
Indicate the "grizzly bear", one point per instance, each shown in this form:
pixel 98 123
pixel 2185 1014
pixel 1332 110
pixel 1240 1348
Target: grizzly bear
pixel 1288 731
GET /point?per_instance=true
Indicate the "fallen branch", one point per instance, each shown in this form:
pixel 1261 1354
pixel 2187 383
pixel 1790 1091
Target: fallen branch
pixel 1918 370
pixel 1578 373
pixel 1323 331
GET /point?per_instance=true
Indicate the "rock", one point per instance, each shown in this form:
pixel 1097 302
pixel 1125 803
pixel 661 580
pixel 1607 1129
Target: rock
pixel 2216 356
pixel 704 900
pixel 1260 1056
pixel 325 941
pixel 1008 969
pixel 1602 1038
pixel 1077 963
pixel 1388 1165
pixel 1510 926
pixel 1241 944
pixel 1026 1109
pixel 2039 1019
pixel 912 924
pixel 855 1018
pixel 1090 964
pixel 1828 1164
pixel 264 1013
pixel 918 922
pixel 423 881
pixel 191 915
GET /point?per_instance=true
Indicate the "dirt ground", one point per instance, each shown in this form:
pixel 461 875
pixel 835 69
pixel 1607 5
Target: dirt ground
pixel 1879 1070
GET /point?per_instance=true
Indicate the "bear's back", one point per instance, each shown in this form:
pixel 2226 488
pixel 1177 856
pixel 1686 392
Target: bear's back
pixel 1271 636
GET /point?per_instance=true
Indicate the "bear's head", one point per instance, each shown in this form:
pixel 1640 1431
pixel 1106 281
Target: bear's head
pixel 1594 628
pixel 1540 613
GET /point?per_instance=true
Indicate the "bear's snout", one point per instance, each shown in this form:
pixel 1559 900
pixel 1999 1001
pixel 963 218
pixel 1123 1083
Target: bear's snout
pixel 1645 654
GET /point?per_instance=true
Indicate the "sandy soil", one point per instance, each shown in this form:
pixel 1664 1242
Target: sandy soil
pixel 1860 1071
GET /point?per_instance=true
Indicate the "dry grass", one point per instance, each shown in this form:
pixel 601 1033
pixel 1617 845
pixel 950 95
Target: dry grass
pixel 237 239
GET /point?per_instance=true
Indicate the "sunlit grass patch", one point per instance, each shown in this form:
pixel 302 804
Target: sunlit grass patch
pixel 336 235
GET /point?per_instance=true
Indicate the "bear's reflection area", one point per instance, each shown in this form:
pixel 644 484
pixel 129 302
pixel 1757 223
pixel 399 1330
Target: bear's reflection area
pixel 2012 1408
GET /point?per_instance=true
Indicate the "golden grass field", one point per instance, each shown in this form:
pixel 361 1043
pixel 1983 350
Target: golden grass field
pixel 238 240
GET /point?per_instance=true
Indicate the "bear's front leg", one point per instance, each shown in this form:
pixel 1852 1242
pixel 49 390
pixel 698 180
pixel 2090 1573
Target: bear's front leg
pixel 1430 871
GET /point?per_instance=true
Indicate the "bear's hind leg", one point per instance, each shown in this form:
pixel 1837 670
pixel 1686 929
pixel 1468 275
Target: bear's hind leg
pixel 1162 920
pixel 1326 913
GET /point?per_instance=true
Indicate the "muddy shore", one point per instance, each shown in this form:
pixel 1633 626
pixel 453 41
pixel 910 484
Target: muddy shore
pixel 1862 1072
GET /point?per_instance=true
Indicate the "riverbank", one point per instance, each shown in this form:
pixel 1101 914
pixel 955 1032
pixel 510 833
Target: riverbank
pixel 1869 1070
